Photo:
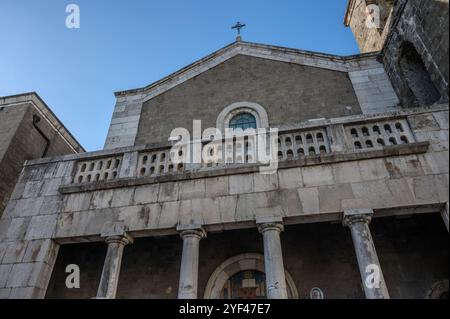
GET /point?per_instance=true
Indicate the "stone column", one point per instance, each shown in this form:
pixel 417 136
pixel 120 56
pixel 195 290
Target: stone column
pixel 273 259
pixel 369 266
pixel 444 214
pixel 189 261
pixel 111 268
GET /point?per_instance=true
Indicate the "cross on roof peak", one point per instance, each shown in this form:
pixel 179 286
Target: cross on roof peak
pixel 238 26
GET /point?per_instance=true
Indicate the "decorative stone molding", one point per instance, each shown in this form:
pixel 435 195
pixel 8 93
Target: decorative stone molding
pixel 124 240
pixel 271 226
pixel 353 216
pixel 260 114
pixel 195 233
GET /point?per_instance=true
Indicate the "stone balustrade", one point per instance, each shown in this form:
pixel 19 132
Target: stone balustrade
pixel 379 134
pixel 96 170
pixel 296 144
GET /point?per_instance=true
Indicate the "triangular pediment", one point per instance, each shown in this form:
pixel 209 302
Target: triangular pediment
pixel 281 54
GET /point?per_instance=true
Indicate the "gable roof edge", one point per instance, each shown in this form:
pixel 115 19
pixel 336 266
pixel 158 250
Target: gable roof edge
pixel 334 62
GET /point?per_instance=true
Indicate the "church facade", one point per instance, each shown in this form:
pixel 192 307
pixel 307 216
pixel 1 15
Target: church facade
pixel 352 201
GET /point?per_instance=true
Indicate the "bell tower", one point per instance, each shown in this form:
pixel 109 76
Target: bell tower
pixel 369 21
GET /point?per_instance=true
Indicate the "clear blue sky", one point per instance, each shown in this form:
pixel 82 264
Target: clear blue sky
pixel 128 44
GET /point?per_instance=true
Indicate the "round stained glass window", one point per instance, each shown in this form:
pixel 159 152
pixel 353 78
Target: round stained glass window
pixel 243 121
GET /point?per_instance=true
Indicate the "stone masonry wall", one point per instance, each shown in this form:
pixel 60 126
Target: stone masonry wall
pixel 424 26
pixel 39 217
pixel 312 85
pixel 20 141
pixel 290 93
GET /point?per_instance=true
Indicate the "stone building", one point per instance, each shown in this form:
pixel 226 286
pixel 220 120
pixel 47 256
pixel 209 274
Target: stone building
pixel 357 207
pixel 28 130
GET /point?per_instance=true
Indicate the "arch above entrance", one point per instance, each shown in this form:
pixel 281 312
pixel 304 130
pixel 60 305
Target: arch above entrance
pixel 236 264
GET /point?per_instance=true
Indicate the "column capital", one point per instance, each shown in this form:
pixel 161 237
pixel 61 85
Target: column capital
pixel 123 239
pixel 196 231
pixel 277 226
pixel 270 223
pixel 352 216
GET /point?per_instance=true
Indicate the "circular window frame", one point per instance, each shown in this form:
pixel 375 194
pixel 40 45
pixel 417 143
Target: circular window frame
pixel 228 113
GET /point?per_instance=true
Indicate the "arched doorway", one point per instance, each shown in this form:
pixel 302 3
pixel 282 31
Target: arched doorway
pixel 439 290
pixel 417 77
pixel 242 277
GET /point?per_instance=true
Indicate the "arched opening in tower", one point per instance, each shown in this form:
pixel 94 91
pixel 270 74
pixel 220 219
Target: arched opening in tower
pixel 417 77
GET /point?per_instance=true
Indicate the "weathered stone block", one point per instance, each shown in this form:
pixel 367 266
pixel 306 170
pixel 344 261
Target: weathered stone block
pixel 122 197
pixel 26 207
pixel 317 176
pixel 424 189
pixel 146 194
pixel 41 251
pixel 169 214
pixel 442 184
pixel 26 293
pixel 373 169
pixel 290 178
pixel 50 187
pixel 14 252
pixel 406 166
pixel 442 119
pixel 291 203
pixel 168 192
pixel 206 210
pixel 32 189
pixel 4 274
pixel 18 229
pixel 346 173
pixel 217 186
pixel 140 217
pixel 77 202
pixel 101 199
pixel 309 199
pixel 95 220
pixel 4 226
pixel 247 203
pixel 227 208
pixel 265 182
pixel 330 197
pixel 376 193
pixel 241 184
pixel 192 189
pixel 423 122
pixel 20 275
pixel 434 163
pixel 41 227
pixel 18 190
pixel 4 293
pixel 51 205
